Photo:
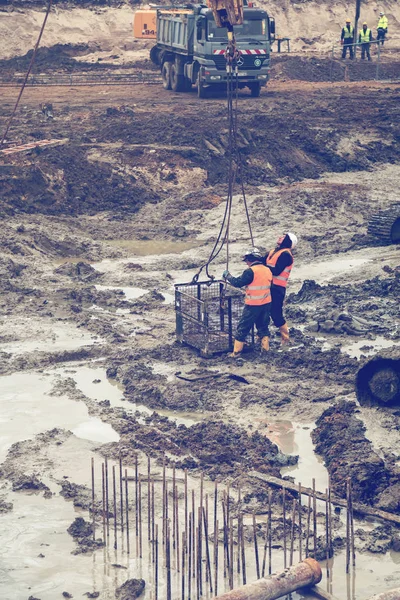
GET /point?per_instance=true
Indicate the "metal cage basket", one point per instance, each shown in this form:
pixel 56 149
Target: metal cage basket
pixel 207 315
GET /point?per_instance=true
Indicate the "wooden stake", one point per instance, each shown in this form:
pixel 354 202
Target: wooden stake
pixel 148 499
pixel 231 553
pixel 208 563
pixel 107 503
pixel 156 564
pixel 128 545
pixel 190 558
pixel 121 494
pixel 177 527
pixel 216 528
pixel 264 562
pixel 292 533
pixel 183 565
pixel 194 553
pixel 168 559
pixel 348 528
pixel 114 485
pixel 284 526
pixel 136 499
pixel 256 546
pixel 327 532
pixel 353 553
pixel 140 517
pixel 330 519
pixel 93 512
pixel 103 490
pixel 269 533
pixel 199 549
pixel 308 525
pixel 243 552
pixel 173 508
pixel 238 529
pixel 186 503
pixel 152 518
pixel 300 528
pixel 314 519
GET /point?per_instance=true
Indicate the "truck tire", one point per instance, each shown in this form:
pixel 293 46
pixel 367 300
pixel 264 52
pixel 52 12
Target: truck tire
pixel 166 74
pixel 155 55
pixel 201 89
pixel 255 89
pixel 177 81
pixel 385 225
pixel 188 85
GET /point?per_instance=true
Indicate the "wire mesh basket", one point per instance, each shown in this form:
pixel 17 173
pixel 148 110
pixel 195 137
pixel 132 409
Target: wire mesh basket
pixel 206 317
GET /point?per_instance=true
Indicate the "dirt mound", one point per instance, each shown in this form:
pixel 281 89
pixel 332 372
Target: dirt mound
pixel 303 68
pixel 340 438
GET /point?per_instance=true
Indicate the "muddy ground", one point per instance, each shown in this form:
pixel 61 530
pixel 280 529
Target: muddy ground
pixel 95 232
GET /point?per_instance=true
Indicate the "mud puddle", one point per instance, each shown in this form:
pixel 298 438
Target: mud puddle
pixel 295 439
pixel 131 293
pixel 29 409
pixel 368 347
pixel 93 382
pixel 48 337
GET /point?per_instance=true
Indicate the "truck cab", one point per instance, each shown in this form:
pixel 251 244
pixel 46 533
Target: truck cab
pixel 191 48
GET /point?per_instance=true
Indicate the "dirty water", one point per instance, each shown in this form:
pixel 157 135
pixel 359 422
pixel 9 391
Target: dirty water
pixel 27 408
pixel 93 382
pixel 48 337
pixel 295 439
pixel 131 293
pixel 325 271
pixel 368 347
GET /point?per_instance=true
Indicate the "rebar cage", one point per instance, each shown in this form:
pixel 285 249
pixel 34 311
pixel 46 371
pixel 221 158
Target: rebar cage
pixel 207 315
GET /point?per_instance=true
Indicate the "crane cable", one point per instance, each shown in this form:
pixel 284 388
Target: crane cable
pixel 235 168
pixel 3 139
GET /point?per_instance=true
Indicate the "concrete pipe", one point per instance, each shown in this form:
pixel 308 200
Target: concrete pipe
pixel 302 575
pixel 390 595
pixel 378 382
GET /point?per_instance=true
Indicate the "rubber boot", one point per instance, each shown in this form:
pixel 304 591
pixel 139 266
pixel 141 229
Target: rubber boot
pixel 284 334
pixel 265 344
pixel 237 349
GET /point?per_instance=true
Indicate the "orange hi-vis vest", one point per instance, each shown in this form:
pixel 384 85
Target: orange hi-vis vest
pixel 272 259
pixel 259 290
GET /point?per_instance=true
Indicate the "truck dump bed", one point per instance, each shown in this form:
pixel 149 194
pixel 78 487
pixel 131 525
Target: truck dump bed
pixel 175 30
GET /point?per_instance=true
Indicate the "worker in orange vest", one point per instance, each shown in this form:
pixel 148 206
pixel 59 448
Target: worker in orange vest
pixel 280 261
pixel 256 280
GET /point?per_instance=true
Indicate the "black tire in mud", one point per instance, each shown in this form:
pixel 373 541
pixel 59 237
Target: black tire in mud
pixel 378 382
pixel 166 74
pixel 255 89
pixel 201 89
pixel 385 225
pixel 177 80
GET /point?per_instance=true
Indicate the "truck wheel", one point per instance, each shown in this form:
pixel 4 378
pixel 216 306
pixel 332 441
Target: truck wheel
pixel 201 90
pixel 188 85
pixel 166 75
pixel 177 81
pixel 255 89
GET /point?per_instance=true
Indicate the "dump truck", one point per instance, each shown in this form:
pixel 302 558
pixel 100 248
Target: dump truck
pixel 190 49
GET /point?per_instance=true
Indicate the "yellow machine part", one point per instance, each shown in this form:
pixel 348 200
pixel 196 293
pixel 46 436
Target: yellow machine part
pixel 145 24
pixel 227 13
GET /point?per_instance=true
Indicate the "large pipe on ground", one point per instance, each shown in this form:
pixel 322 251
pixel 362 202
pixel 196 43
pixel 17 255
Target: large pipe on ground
pixel 390 595
pixel 304 574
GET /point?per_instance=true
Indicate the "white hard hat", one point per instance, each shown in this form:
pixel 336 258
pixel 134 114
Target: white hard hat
pixel 293 238
pixel 381 14
pixel 252 252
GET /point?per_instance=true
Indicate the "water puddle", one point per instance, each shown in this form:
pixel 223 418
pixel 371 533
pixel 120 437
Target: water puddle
pixel 324 271
pixel 368 347
pixel 28 409
pixel 48 337
pixel 94 384
pixel 153 247
pixel 131 293
pixel 295 439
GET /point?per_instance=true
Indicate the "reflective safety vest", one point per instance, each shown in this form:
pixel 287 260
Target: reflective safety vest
pixel 347 33
pixel 258 292
pixel 383 22
pixel 272 259
pixel 365 35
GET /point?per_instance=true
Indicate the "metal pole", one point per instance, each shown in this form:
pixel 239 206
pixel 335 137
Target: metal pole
pixel 93 514
pixel 128 545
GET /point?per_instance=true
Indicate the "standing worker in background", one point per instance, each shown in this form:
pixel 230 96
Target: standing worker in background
pixel 280 261
pixel 347 38
pixel 256 280
pixel 365 38
pixel 382 27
